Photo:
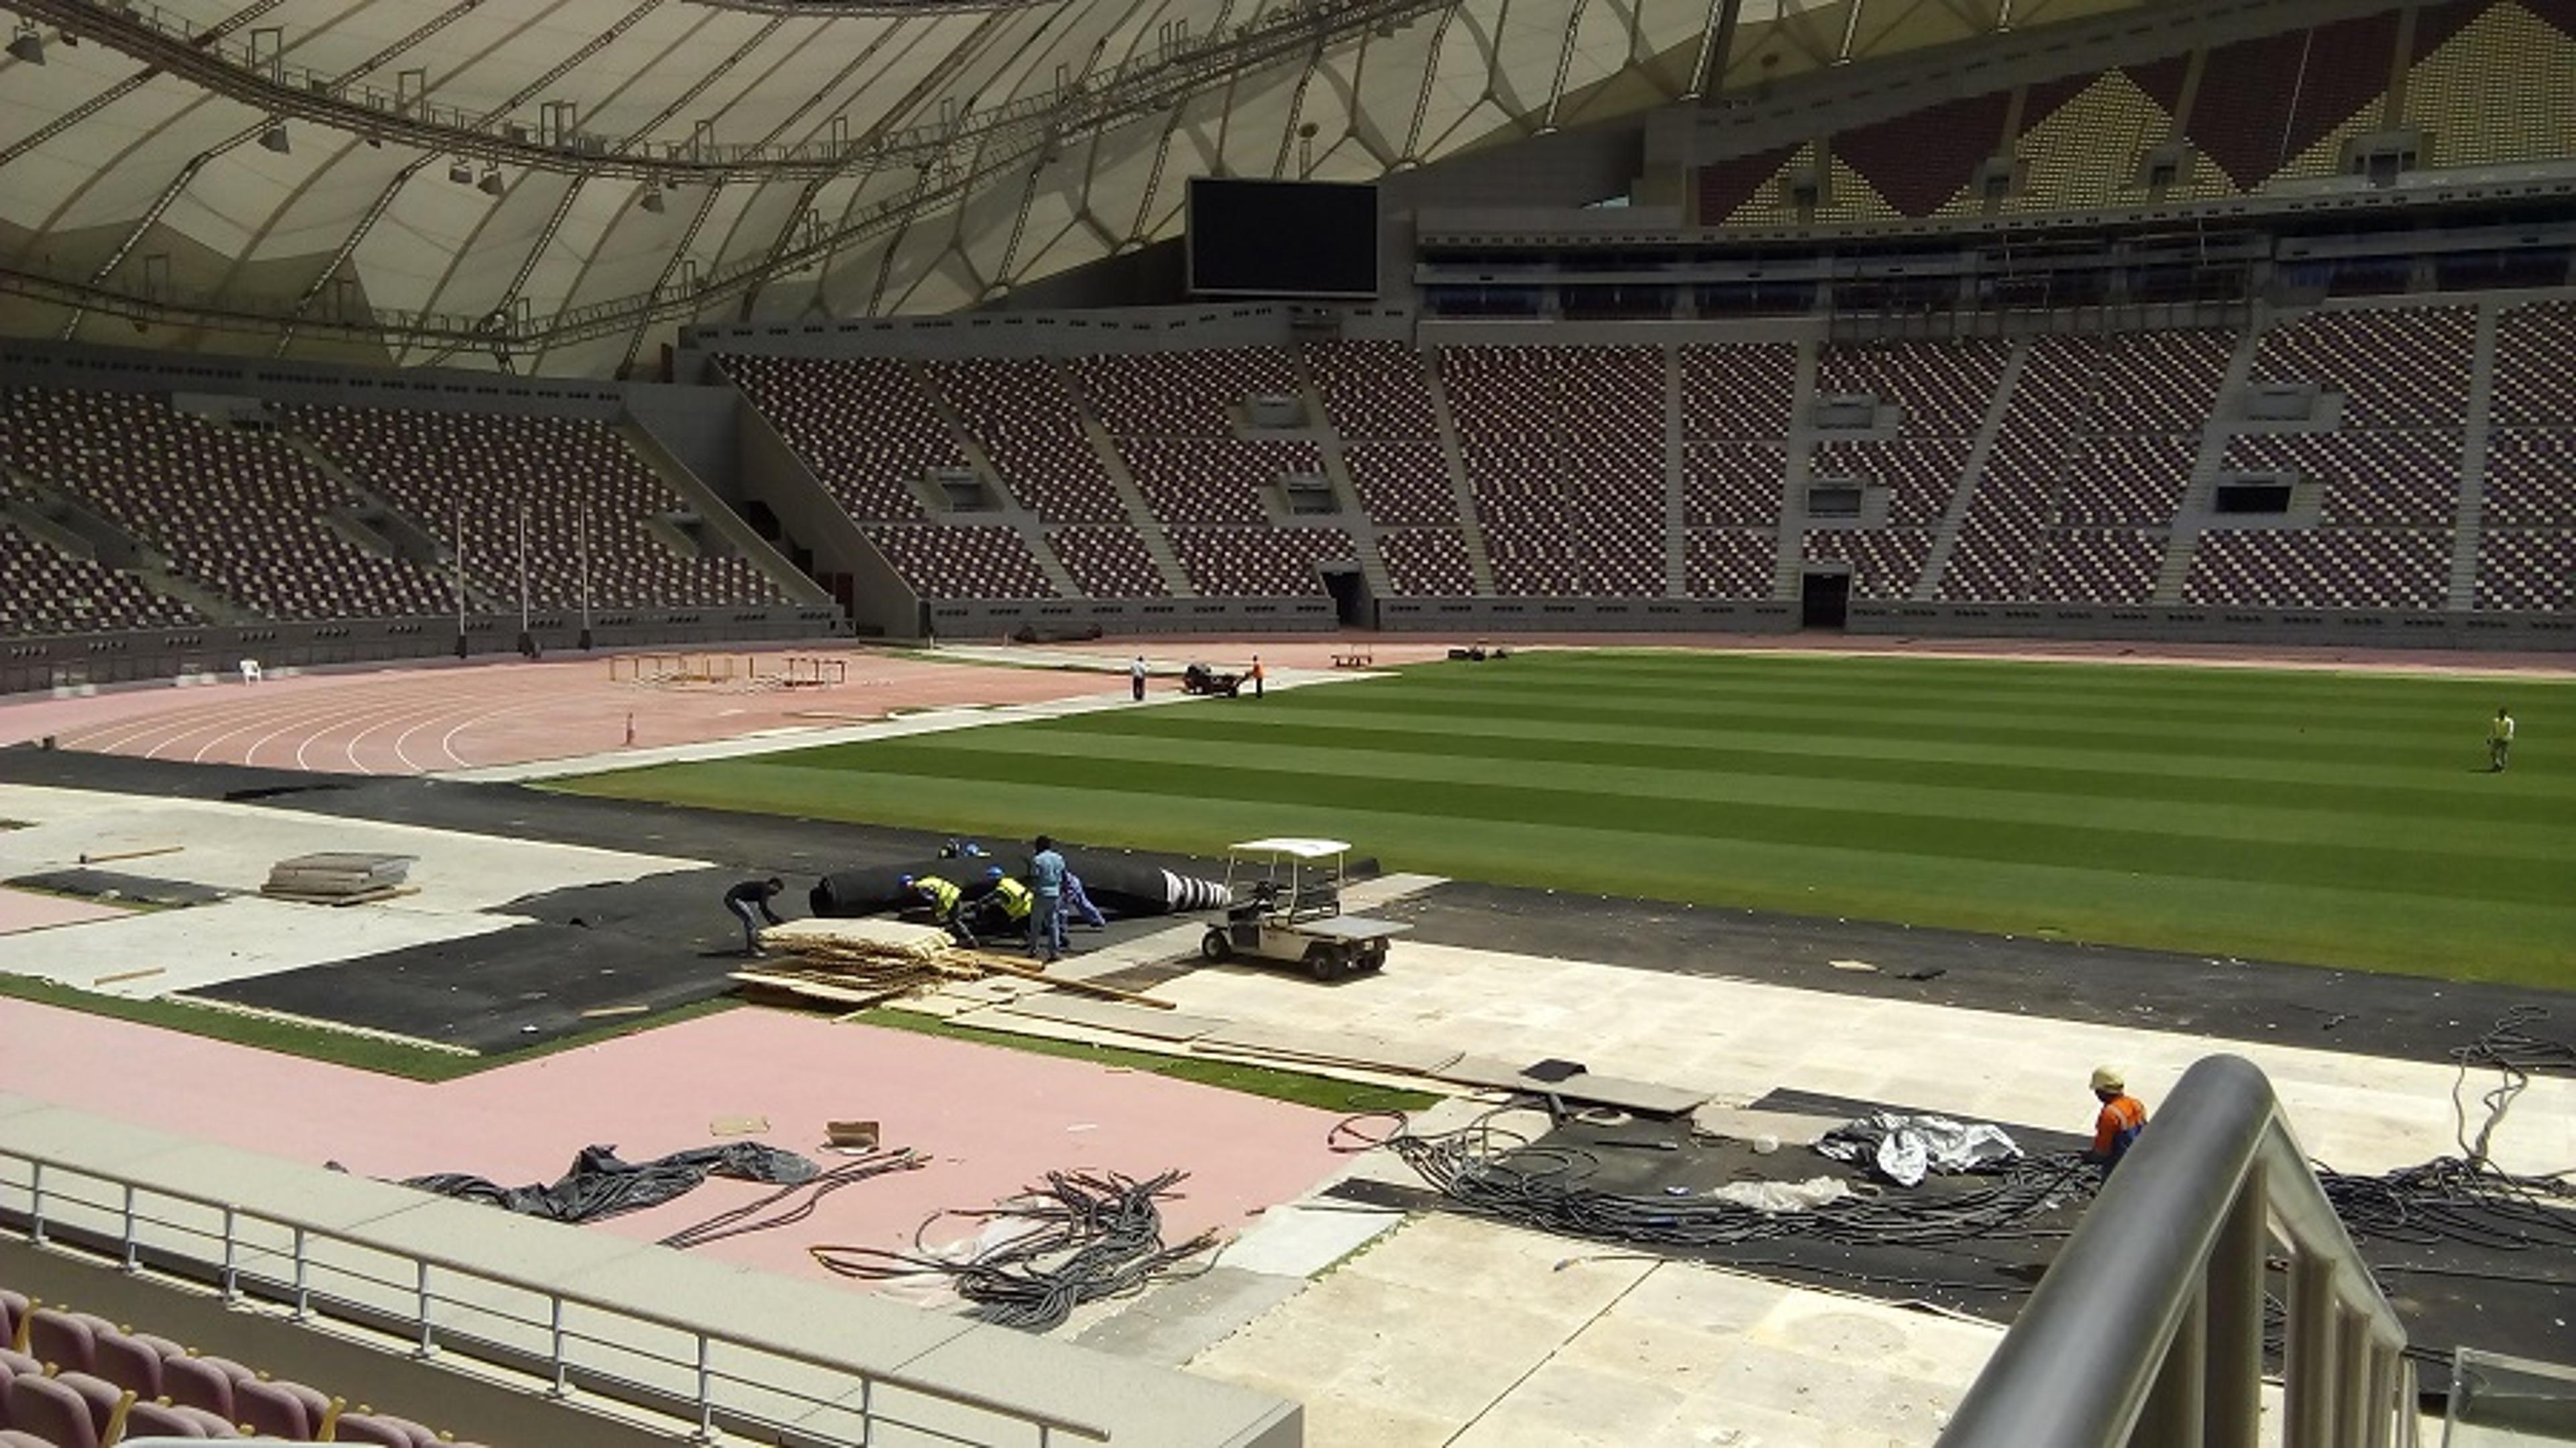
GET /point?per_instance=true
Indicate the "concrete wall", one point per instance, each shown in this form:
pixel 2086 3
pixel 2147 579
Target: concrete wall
pixel 2316 628
pixel 970 619
pixel 880 601
pixel 1567 615
pixel 696 425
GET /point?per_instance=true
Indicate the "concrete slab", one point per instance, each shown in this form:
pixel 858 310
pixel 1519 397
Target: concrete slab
pixel 171 951
pixel 1299 1044
pixel 1642 1096
pixel 1180 1320
pixel 1304 1238
pixel 1114 1016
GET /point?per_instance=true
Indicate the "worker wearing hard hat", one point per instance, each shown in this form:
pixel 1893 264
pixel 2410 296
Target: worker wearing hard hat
pixel 2122 1118
pixel 1004 906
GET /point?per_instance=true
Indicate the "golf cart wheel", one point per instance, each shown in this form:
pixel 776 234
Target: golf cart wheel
pixel 1214 946
pixel 1375 956
pixel 1323 962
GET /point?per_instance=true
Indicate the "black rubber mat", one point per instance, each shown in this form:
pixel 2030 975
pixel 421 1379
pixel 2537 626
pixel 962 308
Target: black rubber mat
pixel 114 887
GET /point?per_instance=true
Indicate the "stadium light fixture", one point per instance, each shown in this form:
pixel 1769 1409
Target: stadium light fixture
pixel 652 200
pixel 274 138
pixel 26 45
pixel 460 173
pixel 490 185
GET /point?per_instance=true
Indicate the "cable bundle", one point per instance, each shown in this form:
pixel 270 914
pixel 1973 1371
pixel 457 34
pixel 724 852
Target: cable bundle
pixel 1090 1236
pixel 747 1218
pixel 1497 1172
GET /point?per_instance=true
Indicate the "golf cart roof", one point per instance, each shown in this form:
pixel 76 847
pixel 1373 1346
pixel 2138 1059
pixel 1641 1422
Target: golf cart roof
pixel 1302 849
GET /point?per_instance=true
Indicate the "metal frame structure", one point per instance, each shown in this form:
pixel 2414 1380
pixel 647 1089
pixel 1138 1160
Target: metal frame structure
pixel 252 1255
pixel 2148 1329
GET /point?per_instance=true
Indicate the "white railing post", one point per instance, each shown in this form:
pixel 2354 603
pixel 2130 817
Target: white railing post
pixel 420 1294
pixel 36 1202
pixel 2232 1411
pixel 555 1345
pixel 132 1261
pixel 706 1391
pixel 2174 1410
pixel 232 1254
pixel 2307 1377
pixel 303 1291
pixel 2353 1352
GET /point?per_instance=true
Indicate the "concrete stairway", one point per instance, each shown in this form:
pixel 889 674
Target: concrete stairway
pixel 1471 529
pixel 2185 543
pixel 2470 521
pixel 1945 536
pixel 693 491
pixel 1786 583
pixel 1140 514
pixel 1353 517
pixel 1676 483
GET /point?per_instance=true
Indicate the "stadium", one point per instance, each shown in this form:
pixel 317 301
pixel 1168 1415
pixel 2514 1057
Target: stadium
pixel 1772 723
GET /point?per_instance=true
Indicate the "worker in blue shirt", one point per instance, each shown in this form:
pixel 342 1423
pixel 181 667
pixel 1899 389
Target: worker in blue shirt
pixel 1046 919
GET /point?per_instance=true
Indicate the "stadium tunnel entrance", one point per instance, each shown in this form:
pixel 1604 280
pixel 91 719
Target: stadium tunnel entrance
pixel 1824 600
pixel 1351 601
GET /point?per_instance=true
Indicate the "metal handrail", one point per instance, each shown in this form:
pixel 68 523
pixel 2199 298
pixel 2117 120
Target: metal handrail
pixel 2148 1328
pixel 229 1273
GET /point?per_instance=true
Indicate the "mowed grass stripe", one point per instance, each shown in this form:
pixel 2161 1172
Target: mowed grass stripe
pixel 2467 876
pixel 1398 762
pixel 2162 682
pixel 2254 919
pixel 1504 741
pixel 2027 724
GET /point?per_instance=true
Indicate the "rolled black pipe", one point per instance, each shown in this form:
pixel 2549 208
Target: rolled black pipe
pixel 1120 885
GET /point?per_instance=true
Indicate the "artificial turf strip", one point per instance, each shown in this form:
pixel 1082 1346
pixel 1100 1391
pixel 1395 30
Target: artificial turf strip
pixel 2333 818
pixel 1324 1093
pixel 318 1043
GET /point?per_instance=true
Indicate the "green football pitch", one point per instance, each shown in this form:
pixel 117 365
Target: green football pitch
pixel 2334 818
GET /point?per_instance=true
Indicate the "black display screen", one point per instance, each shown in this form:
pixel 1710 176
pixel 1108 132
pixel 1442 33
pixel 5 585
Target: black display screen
pixel 1282 238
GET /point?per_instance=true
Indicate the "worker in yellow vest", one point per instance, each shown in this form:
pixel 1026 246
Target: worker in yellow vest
pixel 1004 908
pixel 940 895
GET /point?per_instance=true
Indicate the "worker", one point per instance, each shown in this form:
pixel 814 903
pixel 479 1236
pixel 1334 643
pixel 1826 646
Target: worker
pixel 939 894
pixel 1004 906
pixel 1078 906
pixel 2499 741
pixel 749 902
pixel 1256 676
pixel 961 850
pixel 2123 1117
pixel 1046 917
pixel 1136 678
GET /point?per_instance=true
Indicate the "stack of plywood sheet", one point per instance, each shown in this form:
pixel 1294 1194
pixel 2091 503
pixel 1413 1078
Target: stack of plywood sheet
pixel 851 963
pixel 339 878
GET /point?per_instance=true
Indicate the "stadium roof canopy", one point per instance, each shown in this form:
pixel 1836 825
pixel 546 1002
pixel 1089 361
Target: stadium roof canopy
pixel 415 180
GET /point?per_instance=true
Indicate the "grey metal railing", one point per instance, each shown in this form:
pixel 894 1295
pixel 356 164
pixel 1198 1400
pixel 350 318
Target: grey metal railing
pixel 2149 1328
pixel 248 1255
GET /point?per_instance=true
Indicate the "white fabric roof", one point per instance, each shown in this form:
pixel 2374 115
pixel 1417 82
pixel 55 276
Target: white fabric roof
pixel 470 158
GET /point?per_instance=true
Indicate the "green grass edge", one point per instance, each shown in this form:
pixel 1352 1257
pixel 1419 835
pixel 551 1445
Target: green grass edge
pixel 319 1043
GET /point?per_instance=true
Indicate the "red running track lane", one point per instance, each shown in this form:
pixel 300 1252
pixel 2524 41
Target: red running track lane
pixel 993 1121
pixel 424 720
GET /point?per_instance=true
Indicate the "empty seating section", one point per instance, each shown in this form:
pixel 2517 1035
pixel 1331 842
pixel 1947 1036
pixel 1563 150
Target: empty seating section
pixel 1885 563
pixel 2115 566
pixel 862 425
pixel 1564 453
pixel 1739 393
pixel 1427 563
pixel 2348 568
pixel 2534 383
pixel 1732 484
pixel 2406 368
pixel 1180 394
pixel 2531 478
pixel 1610 394
pixel 1999 534
pixel 1108 562
pixel 1920 472
pixel 962 562
pixel 1259 562
pixel 1189 480
pixel 2527 568
pixel 46 591
pixel 1032 433
pixel 1374 390
pixel 2369 477
pixel 1732 562
pixel 1403 484
pixel 588 499
pixel 1942 387
pixel 2156 382
pixel 2127 481
pixel 1498 393
pixel 83 1382
pixel 238 511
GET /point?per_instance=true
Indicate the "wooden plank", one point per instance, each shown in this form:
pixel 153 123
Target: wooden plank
pixel 1065 982
pixel 131 854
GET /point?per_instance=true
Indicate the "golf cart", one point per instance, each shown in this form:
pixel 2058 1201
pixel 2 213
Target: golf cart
pixel 1288 907
pixel 1200 679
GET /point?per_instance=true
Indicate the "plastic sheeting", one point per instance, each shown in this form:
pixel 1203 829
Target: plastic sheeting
pixel 1783 1196
pixel 599 1184
pixel 1906 1148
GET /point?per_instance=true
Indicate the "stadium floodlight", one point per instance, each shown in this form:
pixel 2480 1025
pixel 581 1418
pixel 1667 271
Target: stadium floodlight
pixel 459 172
pixel 274 138
pixel 652 199
pixel 490 185
pixel 26 45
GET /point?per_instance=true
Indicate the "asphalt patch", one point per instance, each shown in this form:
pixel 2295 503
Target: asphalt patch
pixel 113 887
